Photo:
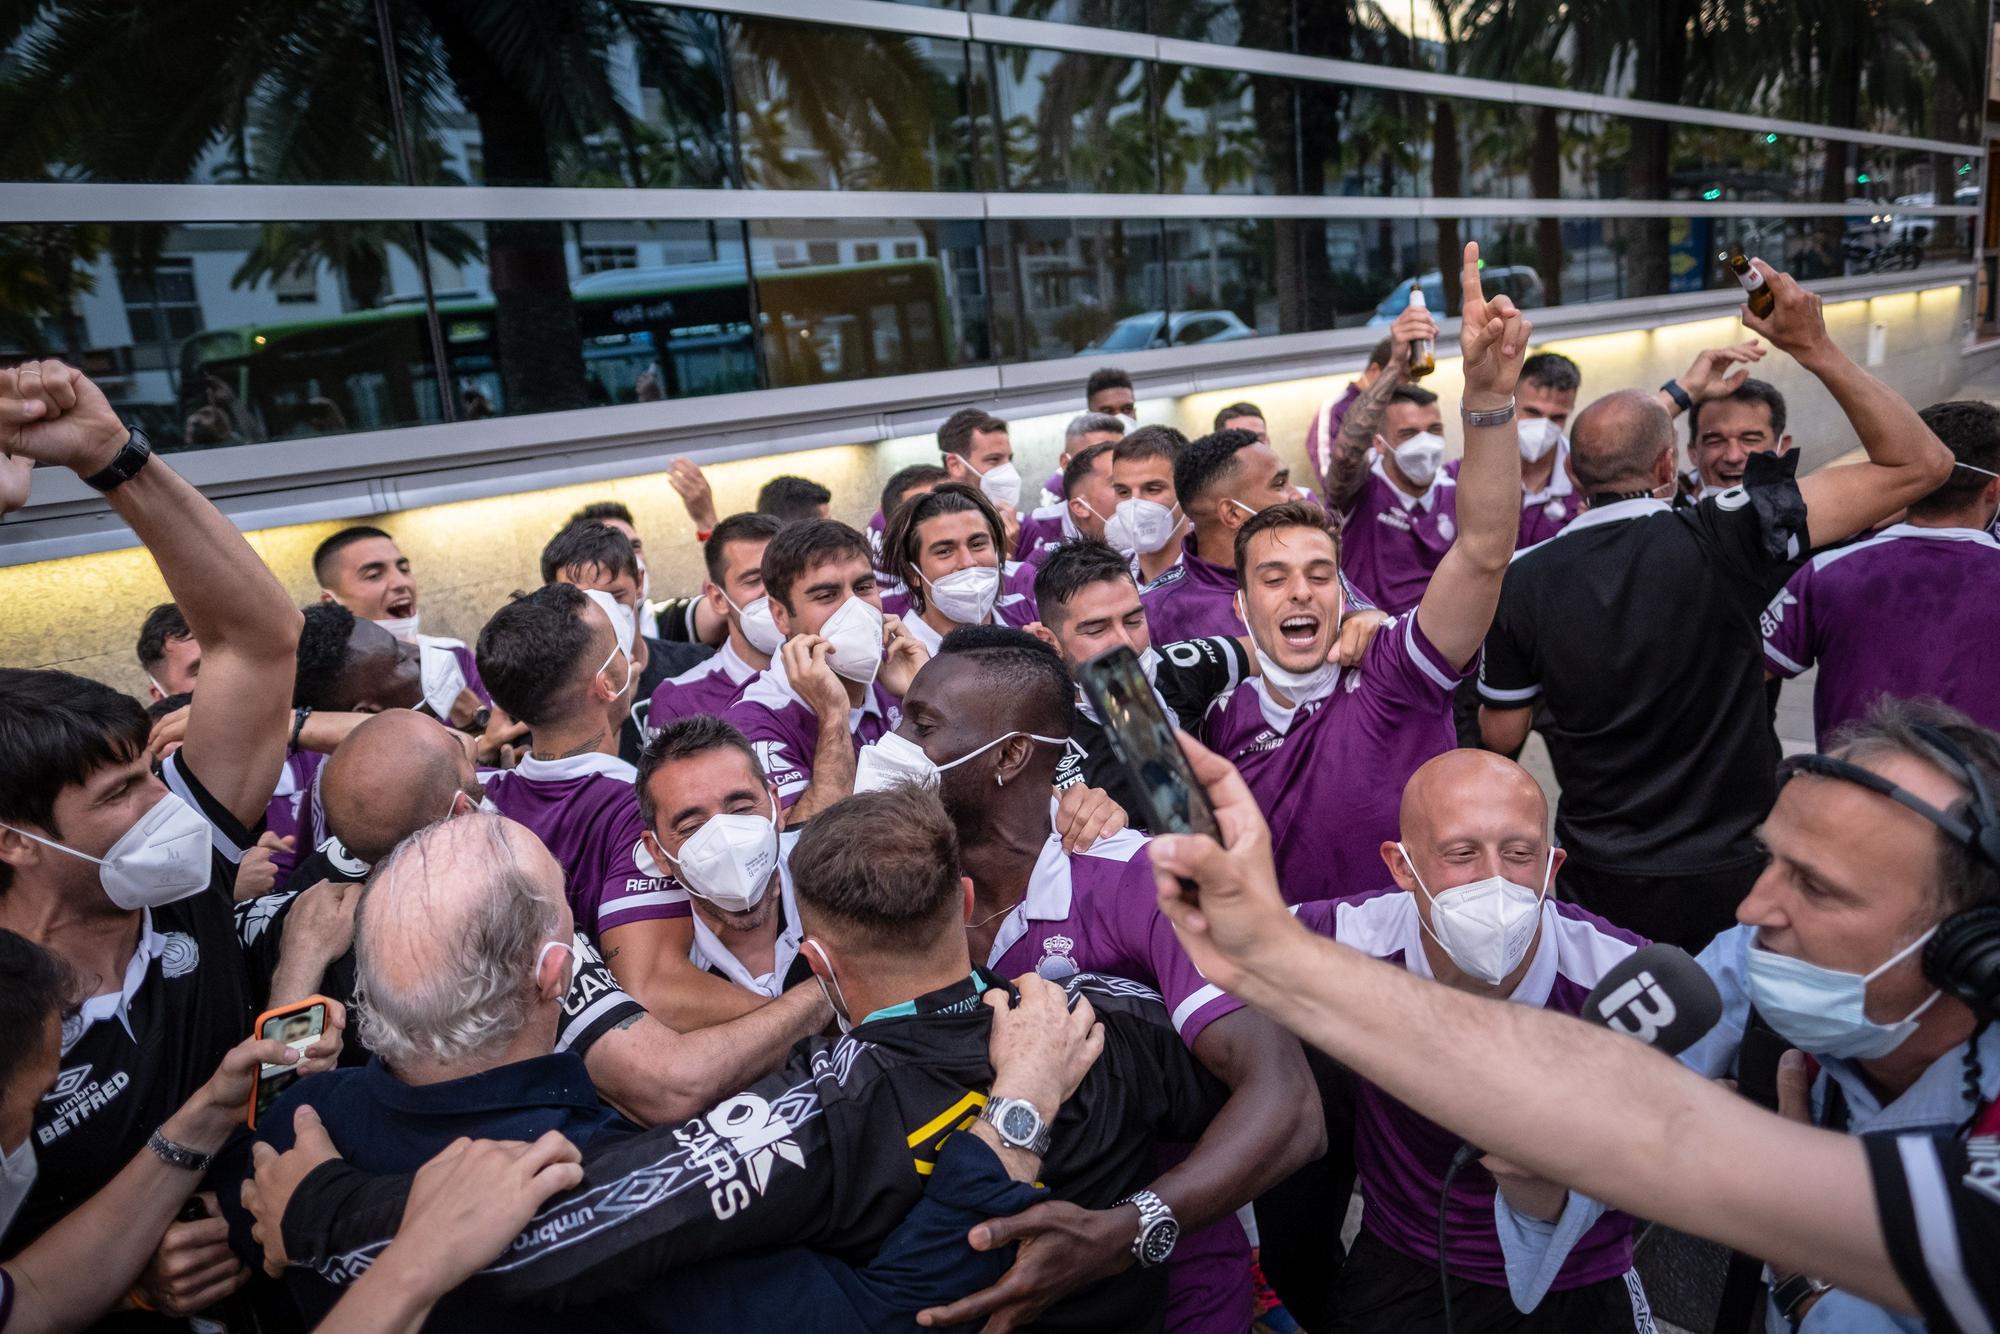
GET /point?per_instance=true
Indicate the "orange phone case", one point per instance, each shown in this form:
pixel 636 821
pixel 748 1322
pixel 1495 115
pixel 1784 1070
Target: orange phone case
pixel 257 1030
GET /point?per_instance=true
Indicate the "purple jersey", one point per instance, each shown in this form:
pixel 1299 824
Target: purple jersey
pixel 290 813
pixel 1840 609
pixel 1330 773
pixel 1193 600
pixel 885 578
pixel 1401 1157
pixel 785 731
pixel 1042 532
pixel 1391 543
pixel 1095 912
pixel 710 686
pixel 585 809
pixel 1546 512
pixel 1054 486
pixel 1325 429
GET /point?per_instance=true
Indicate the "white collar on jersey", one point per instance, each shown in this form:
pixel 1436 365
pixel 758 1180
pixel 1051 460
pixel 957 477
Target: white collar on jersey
pixel 576 766
pixel 708 949
pixel 118 1004
pixel 1636 508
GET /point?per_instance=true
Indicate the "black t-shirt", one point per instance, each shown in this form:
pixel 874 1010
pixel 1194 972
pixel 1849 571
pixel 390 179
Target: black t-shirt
pixel 1192 675
pixel 1638 625
pixel 1938 1199
pixel 665 659
pixel 131 1058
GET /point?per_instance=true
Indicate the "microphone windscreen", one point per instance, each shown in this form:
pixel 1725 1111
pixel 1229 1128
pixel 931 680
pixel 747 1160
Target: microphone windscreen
pixel 1658 995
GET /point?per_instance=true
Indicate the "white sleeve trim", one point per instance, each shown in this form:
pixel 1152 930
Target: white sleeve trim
pixel 1780 661
pixel 633 902
pixel 1441 678
pixel 1194 1001
pixel 1499 696
pixel 1937 1233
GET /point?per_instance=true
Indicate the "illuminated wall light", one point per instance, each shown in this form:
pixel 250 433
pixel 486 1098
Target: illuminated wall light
pixel 1711 194
pixel 1770 138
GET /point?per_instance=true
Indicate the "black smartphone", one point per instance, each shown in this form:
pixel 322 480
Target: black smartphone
pixel 1143 740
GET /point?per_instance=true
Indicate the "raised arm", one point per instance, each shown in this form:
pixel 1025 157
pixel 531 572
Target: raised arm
pixel 1459 603
pixel 1352 447
pixel 247 627
pixel 1905 461
pixel 1639 1131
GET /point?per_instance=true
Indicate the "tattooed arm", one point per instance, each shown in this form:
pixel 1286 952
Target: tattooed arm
pixel 1351 448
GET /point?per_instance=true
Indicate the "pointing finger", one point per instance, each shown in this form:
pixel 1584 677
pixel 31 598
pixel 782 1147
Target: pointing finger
pixel 1468 282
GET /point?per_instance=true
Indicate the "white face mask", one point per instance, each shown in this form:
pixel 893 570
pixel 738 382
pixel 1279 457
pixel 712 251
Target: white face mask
pixel 1141 526
pixel 855 632
pixel 1419 457
pixel 1001 483
pixel 730 860
pixel 443 679
pixel 754 620
pixel 829 987
pixel 965 597
pixel 623 629
pixel 1823 1011
pixel 164 857
pixel 894 760
pixel 1149 663
pixel 402 627
pixel 1537 435
pixel 17 1178
pixel 1484 927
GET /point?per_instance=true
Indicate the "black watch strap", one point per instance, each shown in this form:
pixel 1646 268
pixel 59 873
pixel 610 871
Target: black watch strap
pixel 1672 389
pixel 125 467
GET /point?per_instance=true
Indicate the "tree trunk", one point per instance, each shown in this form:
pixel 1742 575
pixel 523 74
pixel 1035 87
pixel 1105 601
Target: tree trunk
pixel 1447 182
pixel 1545 180
pixel 1662 68
pixel 535 329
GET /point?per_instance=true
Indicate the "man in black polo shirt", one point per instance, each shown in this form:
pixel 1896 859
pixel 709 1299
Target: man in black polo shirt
pixel 123 871
pixel 1638 624
pixel 1090 605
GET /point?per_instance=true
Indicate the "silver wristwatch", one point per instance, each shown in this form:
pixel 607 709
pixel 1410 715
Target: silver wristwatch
pixel 1491 417
pixel 1159 1230
pixel 1019 1124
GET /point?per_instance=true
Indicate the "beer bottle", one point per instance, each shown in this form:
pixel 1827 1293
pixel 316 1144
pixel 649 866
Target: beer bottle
pixel 1762 303
pixel 1423 357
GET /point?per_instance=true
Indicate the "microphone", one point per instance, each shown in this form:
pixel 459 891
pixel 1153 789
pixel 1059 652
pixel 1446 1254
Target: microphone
pixel 1658 995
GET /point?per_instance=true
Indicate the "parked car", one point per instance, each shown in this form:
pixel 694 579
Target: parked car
pixel 1518 281
pixel 1156 328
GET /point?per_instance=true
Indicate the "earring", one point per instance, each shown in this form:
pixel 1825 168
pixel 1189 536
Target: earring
pixel 998 781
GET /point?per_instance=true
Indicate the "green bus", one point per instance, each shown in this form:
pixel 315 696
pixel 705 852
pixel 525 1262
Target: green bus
pixel 680 332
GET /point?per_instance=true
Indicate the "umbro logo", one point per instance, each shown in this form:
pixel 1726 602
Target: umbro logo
pixel 68 1082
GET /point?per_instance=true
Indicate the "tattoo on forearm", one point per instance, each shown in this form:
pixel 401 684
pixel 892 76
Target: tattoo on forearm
pixel 1357 433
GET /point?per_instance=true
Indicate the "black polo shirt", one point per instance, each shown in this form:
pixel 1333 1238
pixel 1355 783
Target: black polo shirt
pixel 1192 675
pixel 131 1057
pixel 1638 625
pixel 1938 1199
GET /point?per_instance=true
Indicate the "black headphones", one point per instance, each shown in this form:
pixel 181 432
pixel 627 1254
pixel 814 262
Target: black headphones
pixel 1962 958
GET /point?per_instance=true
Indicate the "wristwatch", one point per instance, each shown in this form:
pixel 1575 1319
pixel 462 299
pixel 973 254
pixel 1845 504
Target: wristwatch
pixel 1672 389
pixel 1019 1123
pixel 1159 1230
pixel 1793 1293
pixel 126 465
pixel 177 1155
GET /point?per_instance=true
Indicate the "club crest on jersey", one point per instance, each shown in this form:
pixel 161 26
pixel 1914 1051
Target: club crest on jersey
pixel 179 955
pixel 1056 965
pixel 760 1136
pixel 1446 528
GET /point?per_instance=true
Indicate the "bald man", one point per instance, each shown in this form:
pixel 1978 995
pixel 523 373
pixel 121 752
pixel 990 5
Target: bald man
pixel 1469 906
pixel 1638 624
pixel 400 772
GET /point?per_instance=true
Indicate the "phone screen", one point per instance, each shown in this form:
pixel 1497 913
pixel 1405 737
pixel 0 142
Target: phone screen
pixel 1144 743
pixel 297 1029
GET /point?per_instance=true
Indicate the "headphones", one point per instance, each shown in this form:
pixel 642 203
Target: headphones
pixel 1962 958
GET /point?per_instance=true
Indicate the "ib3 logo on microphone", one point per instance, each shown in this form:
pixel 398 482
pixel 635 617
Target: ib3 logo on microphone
pixel 1639 1009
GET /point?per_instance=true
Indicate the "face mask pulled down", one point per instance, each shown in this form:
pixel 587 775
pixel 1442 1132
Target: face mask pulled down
pixel 1823 1011
pixel 896 759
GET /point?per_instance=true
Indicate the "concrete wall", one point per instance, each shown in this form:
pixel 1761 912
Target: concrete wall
pixel 82 614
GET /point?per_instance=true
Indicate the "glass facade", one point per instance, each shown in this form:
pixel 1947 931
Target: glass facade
pixel 286 324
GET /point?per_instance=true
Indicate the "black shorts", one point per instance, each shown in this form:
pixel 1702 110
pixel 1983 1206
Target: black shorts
pixel 1382 1291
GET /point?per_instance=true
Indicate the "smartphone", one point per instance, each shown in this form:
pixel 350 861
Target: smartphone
pixel 1143 740
pixel 298 1026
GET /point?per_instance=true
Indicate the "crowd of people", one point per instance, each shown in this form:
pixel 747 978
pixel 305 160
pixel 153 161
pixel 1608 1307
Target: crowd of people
pixel 794 949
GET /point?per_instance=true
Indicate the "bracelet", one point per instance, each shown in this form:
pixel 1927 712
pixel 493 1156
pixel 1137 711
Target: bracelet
pixel 177 1155
pixel 1490 417
pixel 299 716
pixel 1672 389
pixel 1794 1293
